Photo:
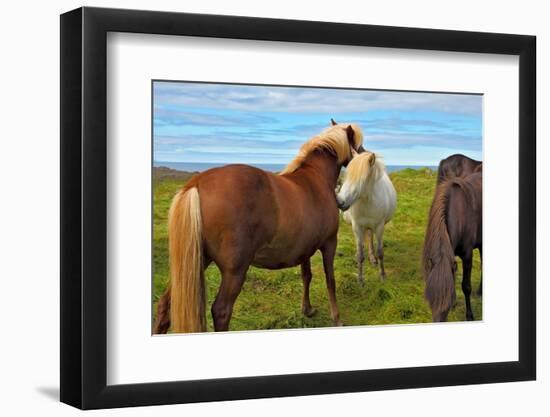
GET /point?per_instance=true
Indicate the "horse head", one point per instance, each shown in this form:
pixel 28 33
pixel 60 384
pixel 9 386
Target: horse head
pixel 355 140
pixel 361 172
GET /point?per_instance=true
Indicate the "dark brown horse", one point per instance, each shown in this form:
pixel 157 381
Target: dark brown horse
pixel 454 229
pixel 456 165
pixel 237 216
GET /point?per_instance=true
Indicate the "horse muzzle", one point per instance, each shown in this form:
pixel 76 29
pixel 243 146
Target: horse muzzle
pixel 342 205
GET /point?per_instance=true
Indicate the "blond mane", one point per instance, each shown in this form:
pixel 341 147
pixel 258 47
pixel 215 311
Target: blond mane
pixel 334 139
pixel 364 167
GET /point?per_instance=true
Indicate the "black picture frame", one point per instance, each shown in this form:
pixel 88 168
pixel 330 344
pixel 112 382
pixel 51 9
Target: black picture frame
pixel 84 207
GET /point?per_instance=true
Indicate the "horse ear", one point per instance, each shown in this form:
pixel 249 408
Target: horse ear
pixel 351 136
pixel 332 122
pixel 372 159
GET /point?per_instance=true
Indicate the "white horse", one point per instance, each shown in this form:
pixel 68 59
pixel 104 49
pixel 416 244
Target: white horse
pixel 371 198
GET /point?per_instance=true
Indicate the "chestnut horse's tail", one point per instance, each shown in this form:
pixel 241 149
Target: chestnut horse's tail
pixel 438 256
pixel 188 298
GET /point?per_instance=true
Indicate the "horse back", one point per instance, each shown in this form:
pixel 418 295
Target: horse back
pixel 456 166
pixel 237 206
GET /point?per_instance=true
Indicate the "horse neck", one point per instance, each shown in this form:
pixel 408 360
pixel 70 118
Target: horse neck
pixel 325 165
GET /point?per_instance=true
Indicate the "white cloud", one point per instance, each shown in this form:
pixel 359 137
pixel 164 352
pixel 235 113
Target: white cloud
pixel 318 100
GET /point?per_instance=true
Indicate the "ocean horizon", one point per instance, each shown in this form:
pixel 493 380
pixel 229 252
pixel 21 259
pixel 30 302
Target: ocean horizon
pixel 203 166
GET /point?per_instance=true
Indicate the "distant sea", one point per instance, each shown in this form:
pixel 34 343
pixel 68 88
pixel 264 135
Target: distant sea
pixel 203 166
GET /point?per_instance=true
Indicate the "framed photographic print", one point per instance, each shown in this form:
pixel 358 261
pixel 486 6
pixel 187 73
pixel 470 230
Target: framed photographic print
pixel 257 207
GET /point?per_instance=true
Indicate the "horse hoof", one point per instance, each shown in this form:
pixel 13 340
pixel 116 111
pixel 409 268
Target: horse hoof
pixel 361 282
pixel 309 313
pixel 469 317
pixel 338 323
pixel 373 260
pixel 382 277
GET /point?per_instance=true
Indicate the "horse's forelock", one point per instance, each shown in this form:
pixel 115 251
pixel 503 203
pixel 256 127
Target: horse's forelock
pixel 361 169
pixel 336 137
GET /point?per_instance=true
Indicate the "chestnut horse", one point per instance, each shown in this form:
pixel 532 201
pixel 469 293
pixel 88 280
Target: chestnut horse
pixel 238 215
pixel 454 229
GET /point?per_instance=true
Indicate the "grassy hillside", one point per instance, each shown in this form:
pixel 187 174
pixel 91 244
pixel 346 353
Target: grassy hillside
pixel 271 299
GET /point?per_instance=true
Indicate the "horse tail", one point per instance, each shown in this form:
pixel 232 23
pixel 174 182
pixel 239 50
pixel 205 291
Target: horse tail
pixel 188 298
pixel 438 256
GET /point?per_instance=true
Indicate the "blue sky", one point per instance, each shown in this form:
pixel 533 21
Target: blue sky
pixel 219 123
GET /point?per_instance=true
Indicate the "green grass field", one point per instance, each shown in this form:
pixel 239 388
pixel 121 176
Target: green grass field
pixel 271 299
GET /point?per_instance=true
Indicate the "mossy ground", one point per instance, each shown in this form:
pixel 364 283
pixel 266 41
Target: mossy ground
pixel 271 299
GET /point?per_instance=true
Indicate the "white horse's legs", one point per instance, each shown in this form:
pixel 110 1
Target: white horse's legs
pixel 360 252
pixel 360 235
pixel 380 250
pixel 372 258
